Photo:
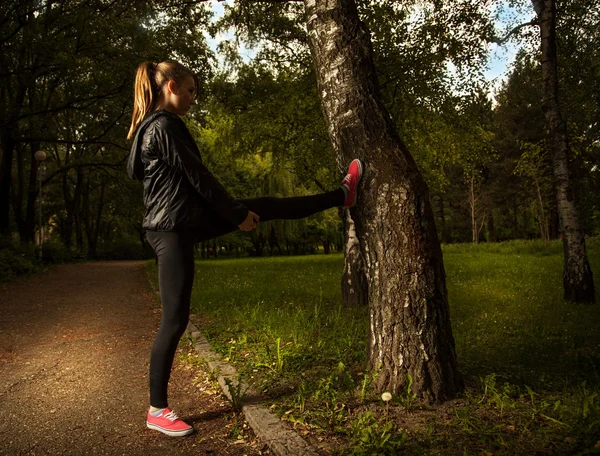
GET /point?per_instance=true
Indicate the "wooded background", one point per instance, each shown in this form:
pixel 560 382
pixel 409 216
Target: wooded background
pixel 66 77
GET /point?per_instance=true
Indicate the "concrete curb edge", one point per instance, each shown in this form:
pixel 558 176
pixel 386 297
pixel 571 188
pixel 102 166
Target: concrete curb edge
pixel 270 429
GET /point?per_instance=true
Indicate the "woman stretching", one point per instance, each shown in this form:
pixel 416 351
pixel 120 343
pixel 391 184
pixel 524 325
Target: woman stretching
pixel 186 204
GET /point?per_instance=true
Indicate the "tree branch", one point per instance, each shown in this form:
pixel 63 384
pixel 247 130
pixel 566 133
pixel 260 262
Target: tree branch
pixel 115 166
pixel 195 2
pixel 501 41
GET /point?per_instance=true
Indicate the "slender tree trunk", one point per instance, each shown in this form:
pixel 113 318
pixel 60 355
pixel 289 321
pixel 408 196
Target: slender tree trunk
pixel 85 217
pixel 8 149
pixel 445 229
pixel 515 219
pixel 16 195
pixel 492 227
pixel 473 206
pixel 410 322
pixel 92 227
pixel 77 208
pixel 578 281
pixel 354 284
pixel 28 222
pixel 99 218
pixel 33 193
pixel 66 232
pixel 543 220
pixel 10 109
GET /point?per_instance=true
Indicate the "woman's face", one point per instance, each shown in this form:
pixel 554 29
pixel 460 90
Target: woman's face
pixel 182 96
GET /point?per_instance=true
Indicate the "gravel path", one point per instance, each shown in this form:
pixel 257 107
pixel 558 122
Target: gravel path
pixel 74 351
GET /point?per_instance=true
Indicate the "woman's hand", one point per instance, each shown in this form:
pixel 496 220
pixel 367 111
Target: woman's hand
pixel 250 223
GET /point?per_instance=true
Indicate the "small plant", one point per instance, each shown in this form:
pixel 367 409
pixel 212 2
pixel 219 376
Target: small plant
pixel 237 392
pixel 370 436
pixel 237 429
pixel 467 419
pixel 344 382
pixel 366 382
pixel 279 364
pixel 500 397
pixel 588 409
pixel 276 365
pixel 386 397
pixel 407 397
pixel 538 407
pixel 300 400
pixel 334 411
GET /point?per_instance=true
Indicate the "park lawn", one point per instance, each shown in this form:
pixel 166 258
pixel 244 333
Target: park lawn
pixel 530 361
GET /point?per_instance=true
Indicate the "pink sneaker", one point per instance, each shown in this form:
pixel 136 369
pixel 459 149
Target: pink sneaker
pixel 351 181
pixel 168 423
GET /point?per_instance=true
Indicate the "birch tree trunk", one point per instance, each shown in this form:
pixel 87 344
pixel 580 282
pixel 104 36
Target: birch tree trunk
pixel 577 276
pixel 354 286
pixel 409 316
pixel 473 207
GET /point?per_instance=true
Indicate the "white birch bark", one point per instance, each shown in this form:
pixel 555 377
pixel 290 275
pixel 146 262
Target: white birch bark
pixel 409 315
pixel 578 281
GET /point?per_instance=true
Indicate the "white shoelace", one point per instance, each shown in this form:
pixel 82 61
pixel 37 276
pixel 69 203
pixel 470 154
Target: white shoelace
pixel 171 416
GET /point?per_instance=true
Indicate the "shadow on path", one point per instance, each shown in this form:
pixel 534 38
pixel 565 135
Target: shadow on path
pixel 74 369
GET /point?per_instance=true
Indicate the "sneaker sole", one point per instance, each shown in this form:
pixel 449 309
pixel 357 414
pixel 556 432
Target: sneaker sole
pixel 169 432
pixel 360 173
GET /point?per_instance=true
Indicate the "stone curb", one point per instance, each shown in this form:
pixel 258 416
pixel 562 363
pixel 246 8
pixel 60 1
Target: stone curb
pixel 281 440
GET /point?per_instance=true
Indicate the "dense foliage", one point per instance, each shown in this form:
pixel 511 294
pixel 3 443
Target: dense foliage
pixel 65 87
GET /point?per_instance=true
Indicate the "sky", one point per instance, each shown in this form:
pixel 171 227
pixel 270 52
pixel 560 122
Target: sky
pixel 500 61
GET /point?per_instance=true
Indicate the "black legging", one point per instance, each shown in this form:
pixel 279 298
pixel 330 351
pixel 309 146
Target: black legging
pixel 175 252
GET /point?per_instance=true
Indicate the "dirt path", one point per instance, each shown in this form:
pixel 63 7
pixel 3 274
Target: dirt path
pixel 74 351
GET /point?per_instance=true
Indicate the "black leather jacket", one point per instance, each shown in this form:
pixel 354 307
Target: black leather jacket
pixel 178 189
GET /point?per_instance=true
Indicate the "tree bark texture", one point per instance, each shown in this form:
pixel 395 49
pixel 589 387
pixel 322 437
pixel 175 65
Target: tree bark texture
pixel 354 284
pixel 409 316
pixel 578 281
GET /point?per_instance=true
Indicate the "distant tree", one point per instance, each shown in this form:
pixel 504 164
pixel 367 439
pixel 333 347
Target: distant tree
pixel 518 120
pixel 578 280
pixel 535 164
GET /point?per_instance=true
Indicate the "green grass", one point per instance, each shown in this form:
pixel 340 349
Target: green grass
pixel 508 315
pixel 276 318
pixel 282 316
pixel 530 360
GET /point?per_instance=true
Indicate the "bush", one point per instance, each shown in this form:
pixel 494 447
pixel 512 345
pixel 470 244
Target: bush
pixel 55 252
pixel 15 259
pixel 123 249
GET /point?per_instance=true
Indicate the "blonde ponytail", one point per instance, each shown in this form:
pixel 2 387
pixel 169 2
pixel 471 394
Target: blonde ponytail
pixel 149 81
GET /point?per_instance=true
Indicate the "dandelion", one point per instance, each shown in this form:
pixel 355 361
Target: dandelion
pixel 386 397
